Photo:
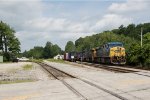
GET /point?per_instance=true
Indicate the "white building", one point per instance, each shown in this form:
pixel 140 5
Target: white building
pixel 1 59
pixel 23 59
pixel 59 56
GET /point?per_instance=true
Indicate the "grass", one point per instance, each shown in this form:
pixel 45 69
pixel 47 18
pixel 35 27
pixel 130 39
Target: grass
pixel 56 60
pixel 27 67
pixel 16 81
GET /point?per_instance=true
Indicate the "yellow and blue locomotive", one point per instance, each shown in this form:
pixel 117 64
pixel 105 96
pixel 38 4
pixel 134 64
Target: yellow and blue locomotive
pixel 112 52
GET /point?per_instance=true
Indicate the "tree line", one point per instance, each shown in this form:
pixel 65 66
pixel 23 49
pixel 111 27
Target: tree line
pixel 129 36
pixel 38 52
pixel 9 43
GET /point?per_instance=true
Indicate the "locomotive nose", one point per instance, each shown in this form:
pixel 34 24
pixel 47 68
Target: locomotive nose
pixel 118 52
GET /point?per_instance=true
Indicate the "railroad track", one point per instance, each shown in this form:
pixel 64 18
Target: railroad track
pixel 115 69
pixel 59 74
pixel 142 74
pixel 106 67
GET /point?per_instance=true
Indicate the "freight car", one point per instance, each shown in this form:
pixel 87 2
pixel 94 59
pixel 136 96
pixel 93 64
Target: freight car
pixel 79 56
pixel 66 57
pixel 71 56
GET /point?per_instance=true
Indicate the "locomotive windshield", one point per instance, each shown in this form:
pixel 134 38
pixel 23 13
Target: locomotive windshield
pixel 114 45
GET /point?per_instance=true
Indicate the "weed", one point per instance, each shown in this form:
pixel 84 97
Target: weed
pixel 27 67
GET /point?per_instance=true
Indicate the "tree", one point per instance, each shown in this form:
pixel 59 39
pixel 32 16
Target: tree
pixel 79 44
pixel 69 46
pixel 47 53
pixel 55 50
pixel 24 54
pixel 36 52
pixel 146 38
pixel 9 44
pixel 134 55
pixel 14 46
pixel 146 49
pixel 130 30
pixel 121 29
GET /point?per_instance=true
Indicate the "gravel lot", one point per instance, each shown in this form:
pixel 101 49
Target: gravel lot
pixel 14 72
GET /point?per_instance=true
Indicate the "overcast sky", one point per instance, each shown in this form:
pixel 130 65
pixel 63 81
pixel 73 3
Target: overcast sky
pixel 58 21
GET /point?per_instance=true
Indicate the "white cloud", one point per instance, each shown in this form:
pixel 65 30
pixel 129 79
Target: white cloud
pixel 30 39
pixel 110 21
pixel 47 24
pixel 35 26
pixel 17 12
pixel 74 35
pixel 137 10
pixel 129 6
pixel 56 25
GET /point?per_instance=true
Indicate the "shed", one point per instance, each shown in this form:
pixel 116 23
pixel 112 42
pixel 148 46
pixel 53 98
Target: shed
pixel 1 59
pixel 58 56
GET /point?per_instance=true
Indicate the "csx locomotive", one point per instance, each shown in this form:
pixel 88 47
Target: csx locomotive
pixel 111 52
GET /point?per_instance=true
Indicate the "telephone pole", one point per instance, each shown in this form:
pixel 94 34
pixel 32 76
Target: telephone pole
pixel 141 36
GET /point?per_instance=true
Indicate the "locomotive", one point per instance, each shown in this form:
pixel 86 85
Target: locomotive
pixel 110 53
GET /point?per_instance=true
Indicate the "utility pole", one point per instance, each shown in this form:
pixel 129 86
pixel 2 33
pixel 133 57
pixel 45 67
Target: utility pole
pixel 141 42
pixel 141 36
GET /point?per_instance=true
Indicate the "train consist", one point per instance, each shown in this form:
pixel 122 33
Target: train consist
pixel 111 53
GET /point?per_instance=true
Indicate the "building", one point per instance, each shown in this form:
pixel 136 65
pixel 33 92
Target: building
pixel 1 59
pixel 59 56
pixel 23 59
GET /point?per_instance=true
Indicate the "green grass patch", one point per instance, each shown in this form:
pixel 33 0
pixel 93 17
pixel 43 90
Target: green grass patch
pixel 27 67
pixel 16 81
pixel 56 60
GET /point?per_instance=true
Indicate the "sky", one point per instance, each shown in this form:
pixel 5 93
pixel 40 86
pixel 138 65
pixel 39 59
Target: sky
pixel 59 21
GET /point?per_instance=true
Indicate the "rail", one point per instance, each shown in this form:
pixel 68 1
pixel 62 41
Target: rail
pixel 58 74
pixel 85 81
